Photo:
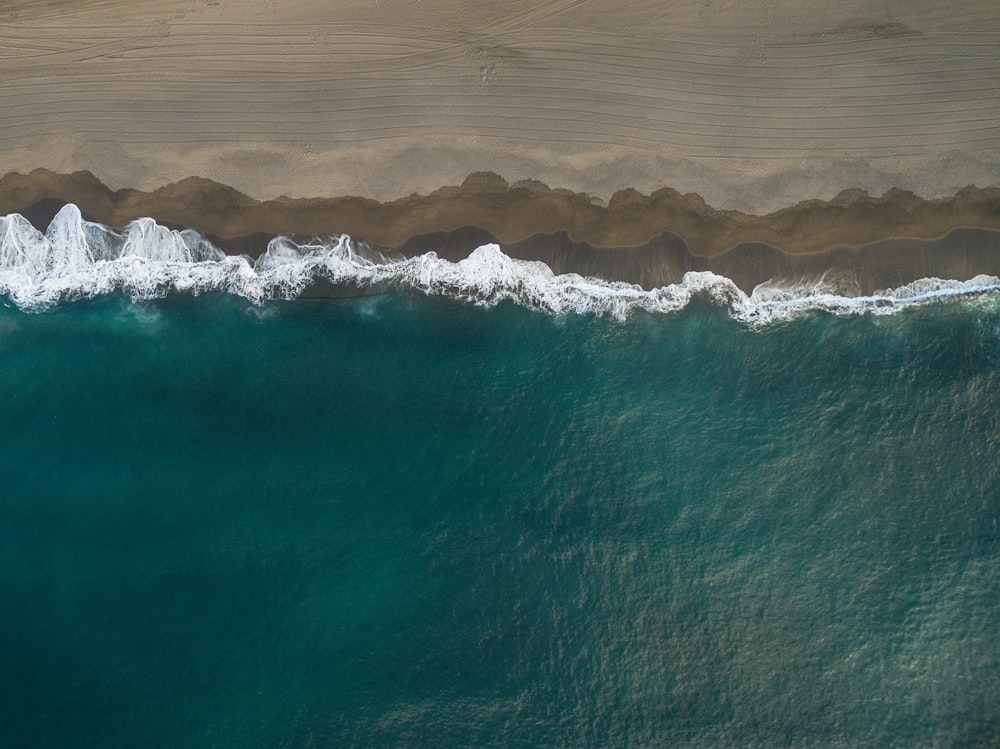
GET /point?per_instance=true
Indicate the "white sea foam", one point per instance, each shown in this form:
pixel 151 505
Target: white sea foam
pixel 75 258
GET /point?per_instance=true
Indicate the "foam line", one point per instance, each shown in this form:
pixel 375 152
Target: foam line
pixel 76 259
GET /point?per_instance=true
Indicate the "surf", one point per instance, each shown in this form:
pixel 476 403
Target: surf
pixel 76 259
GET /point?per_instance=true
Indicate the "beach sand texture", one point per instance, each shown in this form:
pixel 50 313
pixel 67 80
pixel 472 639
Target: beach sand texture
pixel 754 106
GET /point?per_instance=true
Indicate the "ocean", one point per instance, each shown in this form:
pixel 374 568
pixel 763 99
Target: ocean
pixel 482 505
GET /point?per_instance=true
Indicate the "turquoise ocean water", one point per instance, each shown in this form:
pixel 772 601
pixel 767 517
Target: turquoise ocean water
pixel 407 520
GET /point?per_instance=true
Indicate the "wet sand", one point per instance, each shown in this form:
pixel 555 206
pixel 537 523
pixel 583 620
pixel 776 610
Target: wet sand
pixel 513 213
pixel 855 244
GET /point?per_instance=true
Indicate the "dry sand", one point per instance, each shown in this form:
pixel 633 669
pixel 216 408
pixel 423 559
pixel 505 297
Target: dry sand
pixel 754 106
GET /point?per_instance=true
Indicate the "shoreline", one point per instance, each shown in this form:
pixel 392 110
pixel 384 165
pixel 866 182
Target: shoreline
pixel 855 243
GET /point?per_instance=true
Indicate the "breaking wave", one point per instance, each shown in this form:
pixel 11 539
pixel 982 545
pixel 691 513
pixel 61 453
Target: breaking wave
pixel 75 258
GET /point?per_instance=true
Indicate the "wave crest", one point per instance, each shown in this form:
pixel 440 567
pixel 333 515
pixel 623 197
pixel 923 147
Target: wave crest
pixel 75 258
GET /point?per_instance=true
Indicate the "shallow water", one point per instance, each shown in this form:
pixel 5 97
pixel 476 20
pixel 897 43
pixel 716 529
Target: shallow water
pixel 408 520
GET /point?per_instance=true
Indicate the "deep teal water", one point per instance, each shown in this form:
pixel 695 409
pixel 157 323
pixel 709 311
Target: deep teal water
pixel 402 521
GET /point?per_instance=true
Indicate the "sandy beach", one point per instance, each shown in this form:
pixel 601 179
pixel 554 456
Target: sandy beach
pixel 754 107
pixel 597 124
